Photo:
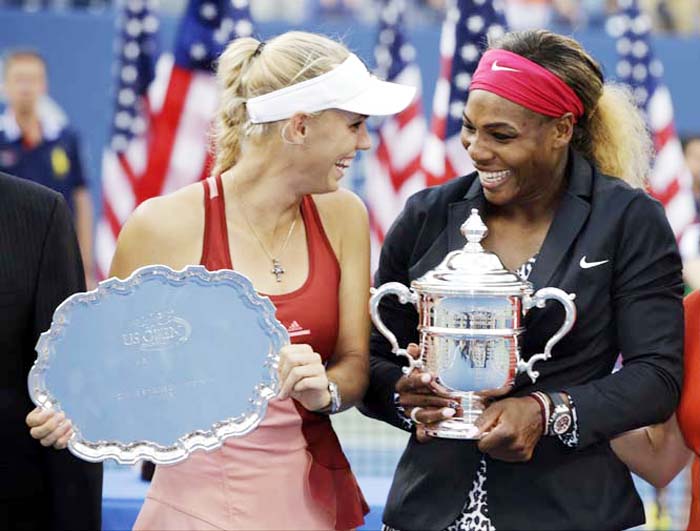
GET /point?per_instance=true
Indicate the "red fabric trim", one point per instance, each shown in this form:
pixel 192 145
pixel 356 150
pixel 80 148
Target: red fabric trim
pixel 215 249
pixel 331 481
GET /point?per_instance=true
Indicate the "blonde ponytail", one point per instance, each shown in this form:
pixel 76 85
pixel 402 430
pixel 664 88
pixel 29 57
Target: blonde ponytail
pixel 620 144
pixel 246 70
pixel 232 115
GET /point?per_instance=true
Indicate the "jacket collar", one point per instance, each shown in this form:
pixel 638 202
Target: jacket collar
pixel 571 214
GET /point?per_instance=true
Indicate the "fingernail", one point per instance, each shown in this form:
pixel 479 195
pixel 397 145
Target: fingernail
pixel 448 412
pixel 454 404
pixel 425 378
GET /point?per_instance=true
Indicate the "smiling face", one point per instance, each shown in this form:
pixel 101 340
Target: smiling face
pixel 332 141
pixel 520 155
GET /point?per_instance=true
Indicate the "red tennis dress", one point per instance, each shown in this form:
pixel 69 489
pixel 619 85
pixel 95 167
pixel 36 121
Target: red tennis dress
pixel 290 473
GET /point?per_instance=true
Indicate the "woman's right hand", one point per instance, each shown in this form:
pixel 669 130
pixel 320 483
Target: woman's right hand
pixel 424 400
pixel 51 428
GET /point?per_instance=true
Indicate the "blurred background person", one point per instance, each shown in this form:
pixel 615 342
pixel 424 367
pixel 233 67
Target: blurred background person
pixel 35 145
pixel 673 16
pixel 528 14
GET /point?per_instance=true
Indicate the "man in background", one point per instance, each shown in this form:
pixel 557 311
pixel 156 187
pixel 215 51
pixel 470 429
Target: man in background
pixel 40 488
pixel 36 146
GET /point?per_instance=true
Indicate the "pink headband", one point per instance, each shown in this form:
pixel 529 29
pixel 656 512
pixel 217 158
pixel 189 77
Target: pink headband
pixel 526 83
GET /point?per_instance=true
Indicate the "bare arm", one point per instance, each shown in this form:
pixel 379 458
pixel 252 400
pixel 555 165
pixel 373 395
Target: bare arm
pixel 302 373
pixel 655 453
pixel 83 228
pixel 349 366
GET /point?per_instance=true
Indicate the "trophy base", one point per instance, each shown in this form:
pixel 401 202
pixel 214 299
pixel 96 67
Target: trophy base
pixel 461 426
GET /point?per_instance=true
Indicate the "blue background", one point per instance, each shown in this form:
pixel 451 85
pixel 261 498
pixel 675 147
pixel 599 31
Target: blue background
pixel 79 50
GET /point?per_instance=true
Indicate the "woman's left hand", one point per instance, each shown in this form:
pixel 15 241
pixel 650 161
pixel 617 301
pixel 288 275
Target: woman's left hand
pixel 303 377
pixel 511 429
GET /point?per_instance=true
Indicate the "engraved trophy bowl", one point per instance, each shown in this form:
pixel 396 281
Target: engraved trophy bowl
pixel 470 311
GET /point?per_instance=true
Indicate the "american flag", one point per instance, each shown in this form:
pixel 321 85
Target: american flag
pixel 163 111
pixel 467 26
pixel 393 169
pixel 670 180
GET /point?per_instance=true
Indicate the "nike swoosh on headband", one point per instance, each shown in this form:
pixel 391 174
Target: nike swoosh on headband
pixel 497 68
pixel 588 265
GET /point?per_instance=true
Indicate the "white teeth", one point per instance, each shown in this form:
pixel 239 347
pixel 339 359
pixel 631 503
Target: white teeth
pixel 493 176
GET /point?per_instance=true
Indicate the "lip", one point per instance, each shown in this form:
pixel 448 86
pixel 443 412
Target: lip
pixel 346 162
pixel 492 180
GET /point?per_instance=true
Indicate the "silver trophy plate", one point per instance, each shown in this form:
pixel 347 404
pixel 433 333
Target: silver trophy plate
pixel 159 365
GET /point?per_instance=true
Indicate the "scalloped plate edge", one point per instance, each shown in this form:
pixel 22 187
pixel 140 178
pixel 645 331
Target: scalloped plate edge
pixel 208 439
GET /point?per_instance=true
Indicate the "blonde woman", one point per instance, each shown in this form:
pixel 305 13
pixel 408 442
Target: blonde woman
pixel 560 158
pixel 292 118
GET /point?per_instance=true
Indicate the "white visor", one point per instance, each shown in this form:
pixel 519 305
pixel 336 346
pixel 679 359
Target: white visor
pixel 349 87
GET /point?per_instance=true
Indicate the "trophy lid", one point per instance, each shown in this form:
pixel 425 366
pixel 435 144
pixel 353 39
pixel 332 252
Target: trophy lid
pixel 472 269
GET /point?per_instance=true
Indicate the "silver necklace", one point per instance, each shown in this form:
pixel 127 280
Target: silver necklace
pixel 277 268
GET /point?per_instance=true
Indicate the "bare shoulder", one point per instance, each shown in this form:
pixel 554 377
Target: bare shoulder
pixel 340 208
pixel 162 230
pixel 344 217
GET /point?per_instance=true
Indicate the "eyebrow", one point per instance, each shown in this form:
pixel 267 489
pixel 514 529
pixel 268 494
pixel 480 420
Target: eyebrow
pixel 492 125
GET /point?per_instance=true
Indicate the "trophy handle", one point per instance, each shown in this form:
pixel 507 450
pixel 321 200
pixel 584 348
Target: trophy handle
pixel 405 295
pixel 539 299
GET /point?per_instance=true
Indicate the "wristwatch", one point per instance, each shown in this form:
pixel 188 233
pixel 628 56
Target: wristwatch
pixel 336 401
pixel 561 420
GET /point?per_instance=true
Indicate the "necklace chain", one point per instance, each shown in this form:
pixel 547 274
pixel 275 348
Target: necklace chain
pixel 277 268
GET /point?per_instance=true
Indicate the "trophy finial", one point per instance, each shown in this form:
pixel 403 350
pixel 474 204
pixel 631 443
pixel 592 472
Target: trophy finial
pixel 474 229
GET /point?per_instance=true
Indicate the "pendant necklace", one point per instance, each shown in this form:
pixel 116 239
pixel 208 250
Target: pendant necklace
pixel 277 268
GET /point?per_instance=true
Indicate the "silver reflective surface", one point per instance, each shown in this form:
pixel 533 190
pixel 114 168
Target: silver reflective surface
pixel 470 311
pixel 470 343
pixel 161 364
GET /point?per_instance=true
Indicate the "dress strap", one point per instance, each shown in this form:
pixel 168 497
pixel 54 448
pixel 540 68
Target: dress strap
pixel 215 249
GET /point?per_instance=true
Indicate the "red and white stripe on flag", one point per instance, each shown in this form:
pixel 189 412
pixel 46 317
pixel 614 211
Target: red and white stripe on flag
pixel 443 156
pixel 467 27
pixel 393 170
pixel 172 153
pixel 670 180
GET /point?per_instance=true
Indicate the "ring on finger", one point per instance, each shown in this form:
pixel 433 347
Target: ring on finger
pixel 414 411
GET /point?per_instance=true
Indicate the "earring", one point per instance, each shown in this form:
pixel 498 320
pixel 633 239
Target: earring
pixel 283 134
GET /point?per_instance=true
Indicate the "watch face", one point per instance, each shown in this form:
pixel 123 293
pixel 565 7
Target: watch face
pixel 562 423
